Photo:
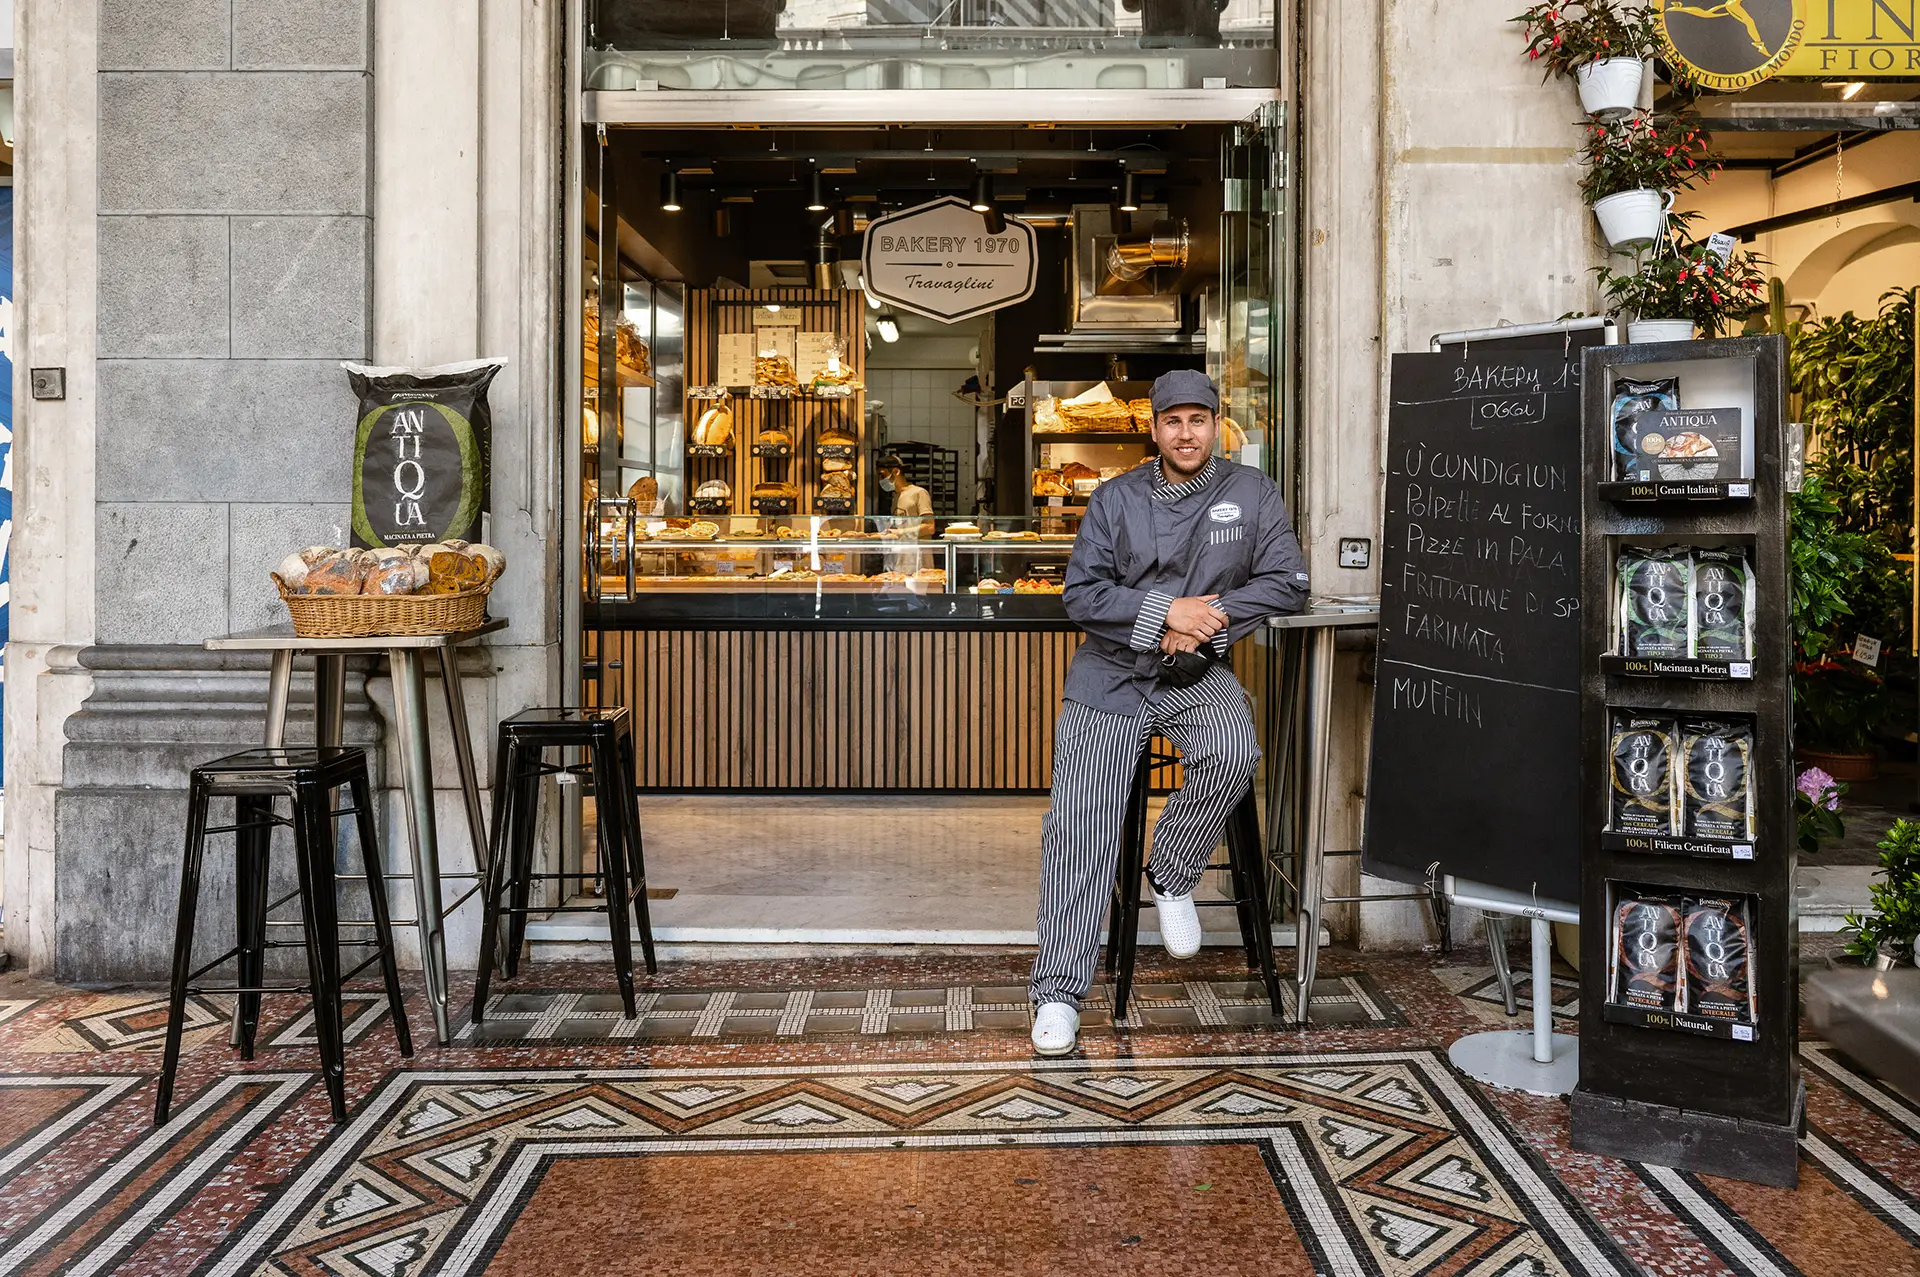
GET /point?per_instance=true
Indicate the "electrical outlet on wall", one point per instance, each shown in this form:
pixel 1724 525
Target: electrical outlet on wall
pixel 1356 552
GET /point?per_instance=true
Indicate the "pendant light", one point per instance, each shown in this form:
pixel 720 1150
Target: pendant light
pixel 1129 193
pixel 983 192
pixel 816 193
pixel 670 191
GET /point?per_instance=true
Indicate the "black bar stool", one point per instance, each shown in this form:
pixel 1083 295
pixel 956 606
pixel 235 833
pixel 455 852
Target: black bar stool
pixel 255 779
pixel 1246 863
pixel 520 764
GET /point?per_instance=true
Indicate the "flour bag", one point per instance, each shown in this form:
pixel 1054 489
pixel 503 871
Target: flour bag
pixel 422 453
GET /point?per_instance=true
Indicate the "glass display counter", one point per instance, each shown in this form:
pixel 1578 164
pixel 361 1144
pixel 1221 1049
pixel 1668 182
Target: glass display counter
pixel 666 571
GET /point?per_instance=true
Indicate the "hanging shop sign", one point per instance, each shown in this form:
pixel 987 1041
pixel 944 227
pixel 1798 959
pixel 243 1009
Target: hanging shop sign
pixel 940 260
pixel 1736 44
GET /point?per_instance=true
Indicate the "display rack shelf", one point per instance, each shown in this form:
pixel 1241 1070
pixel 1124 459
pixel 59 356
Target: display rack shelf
pixel 1677 1088
pixel 1726 490
pixel 1667 845
pixel 1676 667
pixel 1698 1026
pixel 1089 436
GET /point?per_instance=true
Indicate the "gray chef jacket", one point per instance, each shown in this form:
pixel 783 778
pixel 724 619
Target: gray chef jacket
pixel 1145 542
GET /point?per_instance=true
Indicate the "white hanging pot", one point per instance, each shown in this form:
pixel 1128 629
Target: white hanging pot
pixel 1645 330
pixel 1631 218
pixel 1611 88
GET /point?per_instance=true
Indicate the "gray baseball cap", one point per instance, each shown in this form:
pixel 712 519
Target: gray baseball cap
pixel 1184 386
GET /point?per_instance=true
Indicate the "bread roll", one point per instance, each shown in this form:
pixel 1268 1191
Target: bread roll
pixel 496 562
pixel 339 572
pixel 451 569
pixel 293 569
pixel 394 571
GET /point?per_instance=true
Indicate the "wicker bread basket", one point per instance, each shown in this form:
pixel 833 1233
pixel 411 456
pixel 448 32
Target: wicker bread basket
pixel 365 615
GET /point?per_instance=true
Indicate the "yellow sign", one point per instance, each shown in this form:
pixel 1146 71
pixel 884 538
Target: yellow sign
pixel 1736 44
pixel 1858 40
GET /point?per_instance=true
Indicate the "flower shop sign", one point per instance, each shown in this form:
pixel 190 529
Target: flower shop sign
pixel 1736 44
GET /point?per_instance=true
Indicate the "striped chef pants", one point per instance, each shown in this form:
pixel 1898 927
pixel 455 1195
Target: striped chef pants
pixel 1094 754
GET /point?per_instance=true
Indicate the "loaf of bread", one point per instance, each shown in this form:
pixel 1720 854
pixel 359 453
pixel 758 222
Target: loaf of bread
pixel 645 491
pixel 395 571
pixel 293 569
pixel 776 439
pixel 1074 470
pixel 453 568
pixel 713 490
pixel 776 490
pixel 339 572
pixel 835 465
pixel 715 427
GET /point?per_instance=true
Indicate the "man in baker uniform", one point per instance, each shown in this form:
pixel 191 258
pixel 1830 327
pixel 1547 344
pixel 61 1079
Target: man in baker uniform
pixel 1184 556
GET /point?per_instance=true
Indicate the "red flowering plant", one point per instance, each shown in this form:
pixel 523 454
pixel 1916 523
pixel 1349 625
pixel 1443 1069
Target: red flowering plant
pixel 1688 280
pixel 1565 35
pixel 1642 153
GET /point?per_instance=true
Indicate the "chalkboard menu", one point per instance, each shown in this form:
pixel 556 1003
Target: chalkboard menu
pixel 1476 711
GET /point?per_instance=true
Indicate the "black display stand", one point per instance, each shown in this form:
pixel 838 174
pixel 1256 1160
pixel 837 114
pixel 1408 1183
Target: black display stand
pixel 1676 1089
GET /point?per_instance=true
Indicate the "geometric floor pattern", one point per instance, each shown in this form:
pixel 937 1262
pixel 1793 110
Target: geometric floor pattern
pixel 1342 1164
pixel 879 1133
pixel 570 1018
pixel 1479 989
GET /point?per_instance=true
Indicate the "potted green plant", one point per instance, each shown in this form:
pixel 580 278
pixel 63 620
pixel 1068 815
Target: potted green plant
pixel 1689 287
pixel 1838 704
pixel 1633 169
pixel 1884 938
pixel 1601 46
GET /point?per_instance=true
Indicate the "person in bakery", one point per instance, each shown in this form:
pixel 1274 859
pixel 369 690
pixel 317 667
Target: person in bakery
pixel 1175 561
pixel 909 498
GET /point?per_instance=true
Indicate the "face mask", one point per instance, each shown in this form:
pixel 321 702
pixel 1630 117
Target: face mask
pixel 886 485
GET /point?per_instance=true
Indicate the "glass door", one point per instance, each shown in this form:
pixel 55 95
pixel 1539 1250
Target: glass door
pixel 1246 333
pixel 1249 355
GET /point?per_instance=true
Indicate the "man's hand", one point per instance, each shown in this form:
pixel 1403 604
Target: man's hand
pixel 1194 617
pixel 1173 641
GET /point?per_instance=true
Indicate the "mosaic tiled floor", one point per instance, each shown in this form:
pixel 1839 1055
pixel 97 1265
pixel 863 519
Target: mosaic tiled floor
pixel 799 1014
pixel 1209 1146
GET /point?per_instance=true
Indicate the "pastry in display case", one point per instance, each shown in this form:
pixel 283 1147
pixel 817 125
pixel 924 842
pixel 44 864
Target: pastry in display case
pixel 843 555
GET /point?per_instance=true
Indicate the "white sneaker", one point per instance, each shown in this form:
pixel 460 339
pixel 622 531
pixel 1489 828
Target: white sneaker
pixel 1179 924
pixel 1056 1027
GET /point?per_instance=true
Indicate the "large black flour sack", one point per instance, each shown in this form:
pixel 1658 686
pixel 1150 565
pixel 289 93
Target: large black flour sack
pixel 422 452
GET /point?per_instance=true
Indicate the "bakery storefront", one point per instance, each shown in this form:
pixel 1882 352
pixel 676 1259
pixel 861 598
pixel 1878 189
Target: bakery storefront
pixel 814 246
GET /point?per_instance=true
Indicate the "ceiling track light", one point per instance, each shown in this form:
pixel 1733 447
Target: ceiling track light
pixel 889 327
pixel 670 191
pixel 816 193
pixel 1129 192
pixel 983 192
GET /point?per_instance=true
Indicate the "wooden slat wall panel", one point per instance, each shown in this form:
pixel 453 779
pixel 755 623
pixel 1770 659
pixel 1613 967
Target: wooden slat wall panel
pixel 813 710
pixel 837 312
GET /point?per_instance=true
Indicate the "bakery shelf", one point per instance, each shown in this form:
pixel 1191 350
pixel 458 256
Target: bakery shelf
pixel 1719 490
pixel 1668 845
pixel 1676 667
pixel 1674 1021
pixel 625 375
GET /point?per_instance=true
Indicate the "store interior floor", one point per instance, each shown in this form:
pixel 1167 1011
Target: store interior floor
pixel 854 869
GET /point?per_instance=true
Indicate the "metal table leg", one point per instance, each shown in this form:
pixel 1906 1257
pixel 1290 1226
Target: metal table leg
pixel 329 699
pixel 279 689
pixel 1313 856
pixel 416 767
pixel 463 754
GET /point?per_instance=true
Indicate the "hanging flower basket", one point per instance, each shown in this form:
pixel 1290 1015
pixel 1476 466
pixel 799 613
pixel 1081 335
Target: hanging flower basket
pixel 1631 219
pixel 1611 88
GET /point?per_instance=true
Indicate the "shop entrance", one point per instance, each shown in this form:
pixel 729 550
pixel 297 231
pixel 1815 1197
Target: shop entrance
pixel 824 535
